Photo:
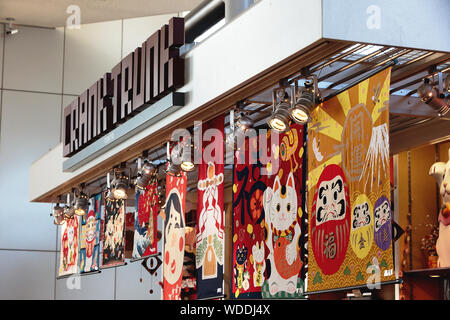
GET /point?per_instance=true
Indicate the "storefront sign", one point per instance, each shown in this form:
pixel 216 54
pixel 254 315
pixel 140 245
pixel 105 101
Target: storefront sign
pixel 142 78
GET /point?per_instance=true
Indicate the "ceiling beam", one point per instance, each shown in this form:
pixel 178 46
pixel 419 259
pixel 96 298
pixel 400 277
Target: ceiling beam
pixel 413 107
pixel 401 72
pixel 428 132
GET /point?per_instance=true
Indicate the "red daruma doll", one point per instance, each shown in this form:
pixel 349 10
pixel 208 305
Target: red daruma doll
pixel 330 222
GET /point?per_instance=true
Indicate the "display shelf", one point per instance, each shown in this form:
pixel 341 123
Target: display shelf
pixel 431 273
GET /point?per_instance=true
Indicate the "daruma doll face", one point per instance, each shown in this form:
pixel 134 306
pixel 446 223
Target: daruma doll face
pixel 330 223
pixel 383 226
pixel 361 235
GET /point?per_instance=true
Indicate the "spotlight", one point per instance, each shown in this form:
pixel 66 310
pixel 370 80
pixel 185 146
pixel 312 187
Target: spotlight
pixel 10 29
pixel 187 165
pixel 109 195
pixel 244 122
pixel 174 161
pixel 279 120
pixel 430 95
pixel 119 187
pixel 147 171
pixel 81 206
pixel 186 151
pixel 447 83
pixel 188 162
pixel 306 102
pixel 58 215
pixel 173 169
pixel 69 211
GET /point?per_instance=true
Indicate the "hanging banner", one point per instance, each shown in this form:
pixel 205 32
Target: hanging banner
pixel 145 222
pixel 174 236
pixel 189 282
pixel 114 234
pixel 349 188
pixel 129 231
pixel 210 217
pixel 90 245
pixel 249 252
pixel 268 221
pixel 68 257
pixel 284 219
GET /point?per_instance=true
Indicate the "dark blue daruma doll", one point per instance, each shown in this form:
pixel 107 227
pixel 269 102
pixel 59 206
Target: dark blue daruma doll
pixel 382 223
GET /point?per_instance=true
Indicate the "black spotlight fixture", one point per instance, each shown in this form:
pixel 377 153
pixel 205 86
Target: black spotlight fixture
pixel 58 215
pixel 81 205
pixel 119 186
pixel 187 163
pixel 173 169
pixel 69 210
pixel 109 195
pixel 431 96
pixel 10 28
pixel 243 123
pixel 279 120
pixel 174 160
pixel 447 83
pixel 145 174
pixel 306 101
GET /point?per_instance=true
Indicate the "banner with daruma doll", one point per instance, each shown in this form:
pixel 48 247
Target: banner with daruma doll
pixel 350 219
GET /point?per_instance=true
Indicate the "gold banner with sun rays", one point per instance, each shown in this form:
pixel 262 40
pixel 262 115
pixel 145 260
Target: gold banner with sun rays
pixel 349 200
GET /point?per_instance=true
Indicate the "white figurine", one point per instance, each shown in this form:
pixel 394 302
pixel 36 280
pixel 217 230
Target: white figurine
pixel 441 172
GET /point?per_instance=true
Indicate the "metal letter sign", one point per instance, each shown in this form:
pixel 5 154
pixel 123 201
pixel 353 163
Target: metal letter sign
pixel 143 77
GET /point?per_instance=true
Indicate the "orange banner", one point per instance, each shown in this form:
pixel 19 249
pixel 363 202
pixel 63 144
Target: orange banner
pixel 349 193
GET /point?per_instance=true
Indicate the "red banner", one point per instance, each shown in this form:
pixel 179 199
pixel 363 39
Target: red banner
pixel 145 219
pixel 68 259
pixel 174 236
pixel 268 221
pixel 210 213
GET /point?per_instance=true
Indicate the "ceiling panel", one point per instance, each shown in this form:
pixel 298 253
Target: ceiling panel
pixel 53 13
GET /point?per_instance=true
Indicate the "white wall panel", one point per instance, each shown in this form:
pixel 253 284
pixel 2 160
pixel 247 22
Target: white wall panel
pixel 90 52
pixel 29 128
pixel 98 286
pixel 137 30
pixel 65 102
pixel 27 275
pixel 34 60
pixel 129 286
pixel 2 38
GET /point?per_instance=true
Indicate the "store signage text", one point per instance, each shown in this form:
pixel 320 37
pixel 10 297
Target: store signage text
pixel 139 80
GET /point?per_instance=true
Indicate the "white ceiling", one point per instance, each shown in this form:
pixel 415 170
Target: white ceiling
pixel 52 13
